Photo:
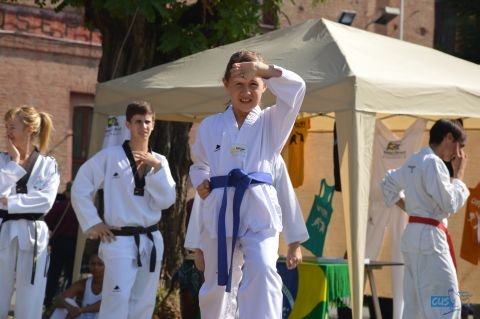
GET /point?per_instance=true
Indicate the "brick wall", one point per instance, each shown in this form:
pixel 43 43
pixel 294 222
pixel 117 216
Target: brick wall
pixel 418 17
pixel 46 59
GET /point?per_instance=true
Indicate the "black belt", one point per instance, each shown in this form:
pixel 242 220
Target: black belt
pixel 33 217
pixel 135 232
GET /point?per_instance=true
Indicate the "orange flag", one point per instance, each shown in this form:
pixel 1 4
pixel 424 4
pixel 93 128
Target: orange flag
pixel 470 250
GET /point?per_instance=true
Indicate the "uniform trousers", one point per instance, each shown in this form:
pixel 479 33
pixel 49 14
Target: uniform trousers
pixel 129 291
pixel 397 226
pixel 16 269
pixel 430 286
pixel 256 285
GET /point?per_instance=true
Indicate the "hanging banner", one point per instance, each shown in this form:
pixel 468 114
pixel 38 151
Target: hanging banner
pixel 319 218
pixel 116 132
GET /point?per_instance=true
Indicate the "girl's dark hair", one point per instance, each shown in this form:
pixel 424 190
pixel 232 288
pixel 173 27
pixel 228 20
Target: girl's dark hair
pixel 241 56
pixel 138 107
pixel 444 126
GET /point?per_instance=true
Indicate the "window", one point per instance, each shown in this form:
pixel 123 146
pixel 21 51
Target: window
pixel 445 27
pixel 268 16
pixel 82 124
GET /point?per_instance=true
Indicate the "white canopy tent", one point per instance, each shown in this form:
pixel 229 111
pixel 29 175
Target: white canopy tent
pixel 351 72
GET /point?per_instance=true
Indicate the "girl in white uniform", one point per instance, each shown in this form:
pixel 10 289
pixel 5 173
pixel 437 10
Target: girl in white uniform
pixel 28 186
pixel 423 188
pixel 137 185
pixel 234 153
pixel 83 298
pixel 294 231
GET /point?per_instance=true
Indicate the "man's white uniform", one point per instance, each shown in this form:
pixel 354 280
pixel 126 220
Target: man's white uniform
pixel 294 230
pixel 220 147
pixel 128 290
pixel 428 192
pixel 390 151
pixel 17 237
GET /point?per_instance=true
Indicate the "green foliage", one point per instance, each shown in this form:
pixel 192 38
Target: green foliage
pixel 193 28
pixel 151 9
pixel 185 28
pixel 117 8
pixel 465 7
pixel 181 40
pixel 237 20
pixel 469 37
pixel 468 28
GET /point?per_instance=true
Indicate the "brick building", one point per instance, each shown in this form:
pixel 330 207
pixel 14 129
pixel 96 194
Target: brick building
pixel 50 60
pixel 418 21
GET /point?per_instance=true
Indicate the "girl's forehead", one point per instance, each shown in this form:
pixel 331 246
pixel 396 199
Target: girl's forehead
pixel 256 79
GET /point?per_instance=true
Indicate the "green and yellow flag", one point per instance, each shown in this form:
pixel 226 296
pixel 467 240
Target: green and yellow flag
pixel 310 288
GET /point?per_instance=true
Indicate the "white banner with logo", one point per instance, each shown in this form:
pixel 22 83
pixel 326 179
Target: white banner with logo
pixel 116 132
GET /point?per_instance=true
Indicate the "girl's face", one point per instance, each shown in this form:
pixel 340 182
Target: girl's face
pixel 17 132
pixel 245 94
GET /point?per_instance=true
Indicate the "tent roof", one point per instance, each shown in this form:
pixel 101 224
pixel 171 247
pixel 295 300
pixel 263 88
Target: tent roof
pixel 345 68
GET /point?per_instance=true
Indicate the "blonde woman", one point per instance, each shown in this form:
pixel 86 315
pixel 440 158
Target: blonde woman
pixel 28 185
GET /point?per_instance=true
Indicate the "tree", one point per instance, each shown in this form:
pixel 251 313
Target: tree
pixel 139 34
pixel 467 44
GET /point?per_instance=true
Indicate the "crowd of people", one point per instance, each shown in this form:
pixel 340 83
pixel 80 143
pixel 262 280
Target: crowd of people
pixel 244 199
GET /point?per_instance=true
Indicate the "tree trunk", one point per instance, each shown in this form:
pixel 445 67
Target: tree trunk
pixel 171 139
pixel 128 44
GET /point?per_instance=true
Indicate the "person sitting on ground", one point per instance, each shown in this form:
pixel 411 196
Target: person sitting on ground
pixel 82 299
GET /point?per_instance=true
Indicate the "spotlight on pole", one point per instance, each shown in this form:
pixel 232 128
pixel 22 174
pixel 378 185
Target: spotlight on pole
pixel 386 15
pixel 346 17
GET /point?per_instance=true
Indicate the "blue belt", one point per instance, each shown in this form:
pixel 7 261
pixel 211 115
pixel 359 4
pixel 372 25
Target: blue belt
pixel 241 181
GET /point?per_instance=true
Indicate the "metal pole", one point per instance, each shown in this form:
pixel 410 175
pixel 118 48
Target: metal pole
pixel 401 18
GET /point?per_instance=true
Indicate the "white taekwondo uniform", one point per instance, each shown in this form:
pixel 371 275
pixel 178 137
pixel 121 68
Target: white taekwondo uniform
pixel 220 147
pixel 18 238
pixel 129 290
pixel 428 192
pixel 294 230
pixel 390 151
